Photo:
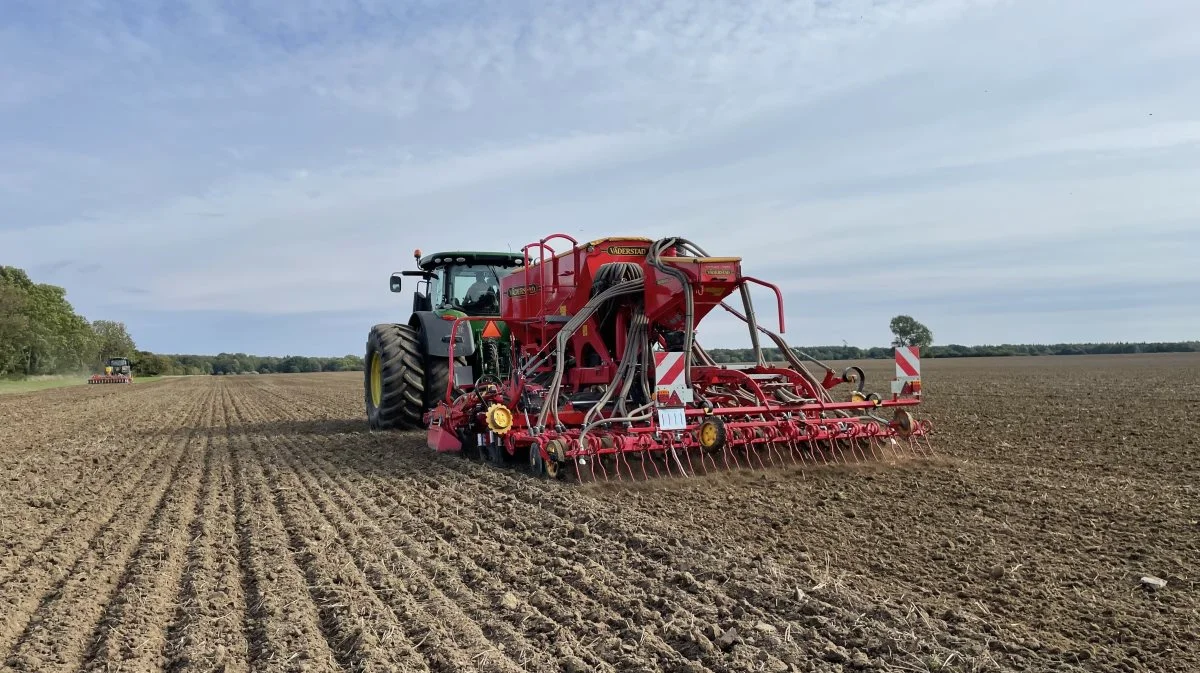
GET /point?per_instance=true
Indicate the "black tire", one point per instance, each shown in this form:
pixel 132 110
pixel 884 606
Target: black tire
pixel 401 376
pixel 437 375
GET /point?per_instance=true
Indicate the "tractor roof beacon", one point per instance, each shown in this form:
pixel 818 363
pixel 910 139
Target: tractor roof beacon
pixel 407 365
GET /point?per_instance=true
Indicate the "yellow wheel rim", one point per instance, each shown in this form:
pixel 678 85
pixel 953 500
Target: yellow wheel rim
pixel 708 435
pixel 376 380
pixel 499 418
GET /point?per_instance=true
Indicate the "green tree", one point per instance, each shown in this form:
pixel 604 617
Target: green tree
pixel 42 334
pixel 14 324
pixel 113 340
pixel 909 332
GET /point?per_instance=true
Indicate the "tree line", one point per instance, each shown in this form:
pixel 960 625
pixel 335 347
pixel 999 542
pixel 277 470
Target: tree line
pixel 42 334
pixel 155 364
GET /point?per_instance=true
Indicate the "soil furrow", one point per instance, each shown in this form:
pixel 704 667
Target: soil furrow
pixel 106 471
pixel 284 629
pixel 619 624
pixel 442 549
pixel 55 637
pixel 709 593
pixel 363 633
pixel 132 631
pixel 42 577
pixel 441 624
pixel 506 615
pixel 207 631
pixel 493 645
pixel 607 604
pixel 691 612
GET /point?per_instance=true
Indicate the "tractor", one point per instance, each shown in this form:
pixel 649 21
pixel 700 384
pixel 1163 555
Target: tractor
pixel 587 364
pixel 116 370
pixel 407 365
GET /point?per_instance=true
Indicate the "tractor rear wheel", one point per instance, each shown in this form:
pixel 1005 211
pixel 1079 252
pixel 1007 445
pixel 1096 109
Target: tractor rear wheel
pixel 437 374
pixel 437 377
pixel 394 378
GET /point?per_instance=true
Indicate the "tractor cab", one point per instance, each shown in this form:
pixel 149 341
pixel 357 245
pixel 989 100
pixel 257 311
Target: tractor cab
pixel 467 283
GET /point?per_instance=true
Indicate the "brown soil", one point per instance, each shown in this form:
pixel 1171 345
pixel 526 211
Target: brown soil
pixel 252 523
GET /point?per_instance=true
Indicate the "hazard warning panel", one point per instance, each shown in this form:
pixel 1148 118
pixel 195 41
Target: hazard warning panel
pixel 670 384
pixel 908 371
pixel 908 362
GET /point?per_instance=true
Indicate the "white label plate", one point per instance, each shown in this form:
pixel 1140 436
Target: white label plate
pixel 672 419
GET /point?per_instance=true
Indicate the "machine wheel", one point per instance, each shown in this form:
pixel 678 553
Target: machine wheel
pixel 537 466
pixel 393 377
pixel 553 467
pixel 712 434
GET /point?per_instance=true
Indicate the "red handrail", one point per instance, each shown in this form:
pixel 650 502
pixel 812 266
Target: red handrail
pixel 542 248
pixel 778 296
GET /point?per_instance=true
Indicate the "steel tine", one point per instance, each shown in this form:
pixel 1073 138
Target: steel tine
pixel 727 454
pixel 858 444
pixel 773 452
pixel 856 447
pixel 818 453
pixel 691 465
pixel 878 451
pixel 831 451
pixel 792 450
pixel 624 458
pixel 648 457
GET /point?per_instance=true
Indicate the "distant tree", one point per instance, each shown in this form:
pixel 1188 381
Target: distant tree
pixel 42 332
pixel 113 340
pixel 14 324
pixel 909 332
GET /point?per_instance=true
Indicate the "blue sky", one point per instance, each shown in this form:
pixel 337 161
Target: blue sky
pixel 243 176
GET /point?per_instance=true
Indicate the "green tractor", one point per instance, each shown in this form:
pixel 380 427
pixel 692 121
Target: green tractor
pixel 407 366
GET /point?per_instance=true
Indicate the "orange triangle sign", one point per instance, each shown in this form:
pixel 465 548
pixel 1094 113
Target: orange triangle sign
pixel 491 331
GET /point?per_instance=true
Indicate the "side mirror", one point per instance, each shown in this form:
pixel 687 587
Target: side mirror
pixel 395 283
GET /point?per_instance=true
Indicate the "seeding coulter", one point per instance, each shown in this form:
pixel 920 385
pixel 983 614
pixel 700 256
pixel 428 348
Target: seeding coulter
pixel 116 370
pixel 602 375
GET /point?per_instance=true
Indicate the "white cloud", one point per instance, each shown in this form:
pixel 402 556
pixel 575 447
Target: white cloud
pixel 284 157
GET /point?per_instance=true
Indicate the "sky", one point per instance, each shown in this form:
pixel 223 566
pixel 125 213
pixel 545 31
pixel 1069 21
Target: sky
pixel 244 176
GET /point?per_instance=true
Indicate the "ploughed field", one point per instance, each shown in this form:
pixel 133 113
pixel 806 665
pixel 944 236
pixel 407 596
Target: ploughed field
pixel 252 523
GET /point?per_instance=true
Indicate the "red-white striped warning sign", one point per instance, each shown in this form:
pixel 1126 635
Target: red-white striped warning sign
pixel 670 384
pixel 668 369
pixel 908 362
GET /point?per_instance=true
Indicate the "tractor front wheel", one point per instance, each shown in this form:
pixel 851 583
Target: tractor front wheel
pixel 394 378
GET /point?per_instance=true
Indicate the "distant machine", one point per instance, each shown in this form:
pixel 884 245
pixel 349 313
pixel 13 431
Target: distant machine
pixel 116 370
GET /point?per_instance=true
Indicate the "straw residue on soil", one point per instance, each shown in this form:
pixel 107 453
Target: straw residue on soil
pixel 252 523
